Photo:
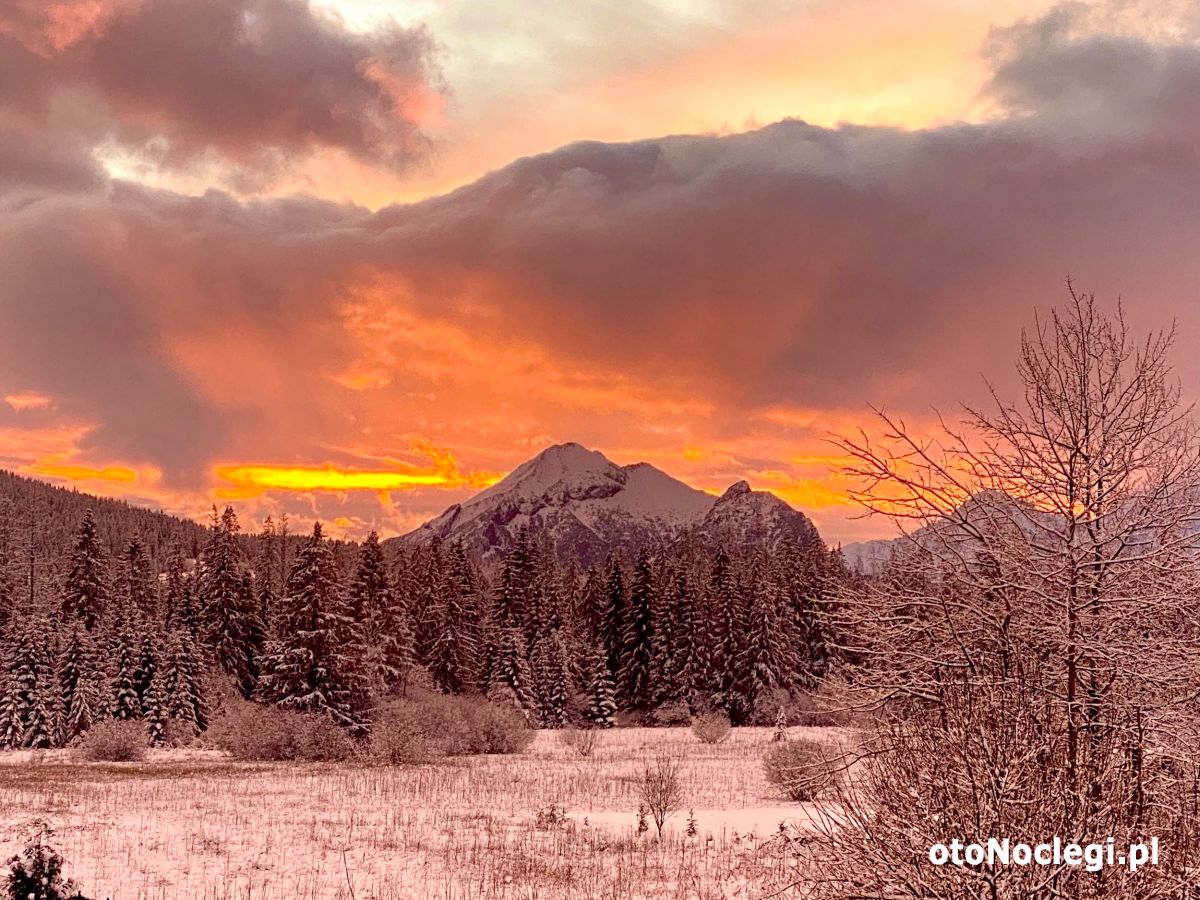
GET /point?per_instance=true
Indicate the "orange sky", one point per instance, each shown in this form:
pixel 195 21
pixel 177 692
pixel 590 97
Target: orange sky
pixel 369 368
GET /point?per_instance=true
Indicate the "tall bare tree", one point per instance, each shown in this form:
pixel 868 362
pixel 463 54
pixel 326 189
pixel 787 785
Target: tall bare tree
pixel 1042 603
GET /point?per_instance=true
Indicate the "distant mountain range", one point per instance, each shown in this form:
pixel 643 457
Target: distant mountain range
pixel 590 506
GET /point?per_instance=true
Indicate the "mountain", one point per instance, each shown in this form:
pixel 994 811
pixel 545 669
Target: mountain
pixel 589 506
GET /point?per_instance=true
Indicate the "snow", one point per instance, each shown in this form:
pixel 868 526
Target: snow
pixel 196 824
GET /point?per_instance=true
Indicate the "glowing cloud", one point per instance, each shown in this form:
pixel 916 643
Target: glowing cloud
pixel 255 480
pixel 69 472
pixel 28 400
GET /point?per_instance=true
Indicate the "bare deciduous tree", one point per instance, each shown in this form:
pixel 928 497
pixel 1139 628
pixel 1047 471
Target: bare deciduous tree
pixel 662 789
pixel 1033 647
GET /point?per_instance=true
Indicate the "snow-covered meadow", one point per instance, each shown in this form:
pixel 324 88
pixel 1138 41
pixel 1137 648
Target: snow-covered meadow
pixel 545 824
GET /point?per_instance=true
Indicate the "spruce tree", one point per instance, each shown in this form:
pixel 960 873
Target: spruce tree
pixel 767 660
pixel 8 592
pixel 228 620
pixel 306 668
pixel 80 687
pixel 182 683
pixel 28 691
pixel 453 656
pixel 154 711
pixel 676 648
pixel 591 605
pixel 178 606
pixel 136 581
pixel 551 670
pixel 511 681
pixel 724 608
pixel 638 647
pixel 85 590
pixel 601 694
pixel 378 607
pixel 614 615
pixel 125 655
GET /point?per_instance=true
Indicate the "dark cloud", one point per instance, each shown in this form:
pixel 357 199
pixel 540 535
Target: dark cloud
pixel 791 265
pixel 253 83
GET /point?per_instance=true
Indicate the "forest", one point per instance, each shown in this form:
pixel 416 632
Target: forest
pixel 109 611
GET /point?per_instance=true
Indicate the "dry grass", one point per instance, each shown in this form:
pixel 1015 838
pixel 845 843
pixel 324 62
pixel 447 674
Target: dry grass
pixel 203 827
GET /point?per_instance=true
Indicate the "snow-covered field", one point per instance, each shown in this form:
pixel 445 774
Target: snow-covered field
pixel 192 825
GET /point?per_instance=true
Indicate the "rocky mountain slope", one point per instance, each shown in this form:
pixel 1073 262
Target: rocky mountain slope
pixel 589 506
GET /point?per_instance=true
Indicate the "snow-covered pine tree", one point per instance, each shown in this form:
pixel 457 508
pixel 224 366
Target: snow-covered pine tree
pixel 305 667
pixel 228 623
pixel 29 699
pixel 125 656
pixel 8 595
pixel 601 694
pixel 518 580
pixel 675 649
pixel 591 605
pixel 136 581
pixel 175 589
pixel 615 611
pixel 85 589
pixel 154 710
pixel 511 681
pixel 147 664
pixel 180 675
pixel 377 605
pixel 266 589
pixel 723 602
pixel 636 689
pixel 767 660
pixel 425 588
pixel 80 684
pixel 551 669
pixel 453 658
pixel 12 729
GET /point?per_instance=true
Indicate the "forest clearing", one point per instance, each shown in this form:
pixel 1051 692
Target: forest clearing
pixel 547 823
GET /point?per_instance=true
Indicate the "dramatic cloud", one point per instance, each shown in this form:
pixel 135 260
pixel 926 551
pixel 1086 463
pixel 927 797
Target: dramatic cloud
pixel 246 83
pixel 714 304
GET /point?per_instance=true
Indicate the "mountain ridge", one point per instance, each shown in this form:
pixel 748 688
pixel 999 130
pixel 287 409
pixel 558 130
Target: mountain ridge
pixel 589 506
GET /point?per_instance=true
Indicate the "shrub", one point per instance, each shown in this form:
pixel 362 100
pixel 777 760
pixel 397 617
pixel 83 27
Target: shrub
pixel 318 739
pixel 711 728
pixel 37 873
pixel 661 789
pixel 582 740
pixel 115 740
pixel 671 715
pixel 425 728
pixel 256 731
pixel 495 729
pixel 800 768
pixel 177 733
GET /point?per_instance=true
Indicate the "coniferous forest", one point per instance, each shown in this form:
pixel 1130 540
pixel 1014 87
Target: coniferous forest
pixel 112 612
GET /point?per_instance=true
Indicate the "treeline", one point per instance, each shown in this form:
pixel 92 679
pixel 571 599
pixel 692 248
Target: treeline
pixel 333 628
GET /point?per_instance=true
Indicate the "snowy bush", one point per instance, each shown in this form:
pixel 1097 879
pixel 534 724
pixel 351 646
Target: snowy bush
pixel 800 768
pixel 711 728
pixel 425 728
pixel 37 873
pixel 114 740
pixel 495 729
pixel 258 731
pixel 582 740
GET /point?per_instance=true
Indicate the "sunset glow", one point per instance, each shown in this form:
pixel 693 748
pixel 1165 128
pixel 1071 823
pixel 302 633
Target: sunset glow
pixel 418 249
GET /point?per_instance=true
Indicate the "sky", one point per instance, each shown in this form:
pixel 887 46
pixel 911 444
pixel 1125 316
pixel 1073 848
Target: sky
pixel 356 259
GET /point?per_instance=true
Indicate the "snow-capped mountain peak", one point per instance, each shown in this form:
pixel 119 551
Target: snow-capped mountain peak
pixel 588 506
